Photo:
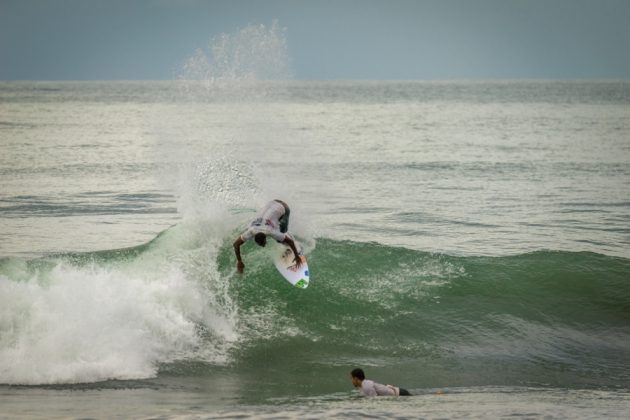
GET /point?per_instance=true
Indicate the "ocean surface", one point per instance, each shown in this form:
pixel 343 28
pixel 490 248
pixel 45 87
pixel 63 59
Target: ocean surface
pixel 469 241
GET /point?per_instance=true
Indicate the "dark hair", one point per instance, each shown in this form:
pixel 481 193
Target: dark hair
pixel 358 373
pixel 260 238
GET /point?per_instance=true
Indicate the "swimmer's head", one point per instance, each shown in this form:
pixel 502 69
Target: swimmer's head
pixel 358 376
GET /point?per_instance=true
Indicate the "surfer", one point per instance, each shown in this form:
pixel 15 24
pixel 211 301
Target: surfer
pixel 370 388
pixel 274 221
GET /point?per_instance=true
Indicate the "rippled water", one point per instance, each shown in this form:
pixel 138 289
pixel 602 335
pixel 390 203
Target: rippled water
pixel 469 238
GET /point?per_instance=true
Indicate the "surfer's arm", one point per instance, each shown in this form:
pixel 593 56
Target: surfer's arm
pixel 237 250
pixel 291 243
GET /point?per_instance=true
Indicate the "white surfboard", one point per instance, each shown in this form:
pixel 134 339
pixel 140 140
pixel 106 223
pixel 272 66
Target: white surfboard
pixel 283 258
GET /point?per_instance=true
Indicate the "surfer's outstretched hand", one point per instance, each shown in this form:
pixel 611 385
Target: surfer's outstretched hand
pixel 298 261
pixel 240 266
pixel 291 243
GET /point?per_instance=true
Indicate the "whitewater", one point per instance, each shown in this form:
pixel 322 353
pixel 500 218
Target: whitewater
pixel 467 240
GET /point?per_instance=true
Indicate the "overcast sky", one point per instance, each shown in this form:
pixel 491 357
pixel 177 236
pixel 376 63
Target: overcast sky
pixel 327 39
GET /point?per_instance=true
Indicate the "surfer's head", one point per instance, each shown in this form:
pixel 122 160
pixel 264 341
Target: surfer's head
pixel 358 376
pixel 261 239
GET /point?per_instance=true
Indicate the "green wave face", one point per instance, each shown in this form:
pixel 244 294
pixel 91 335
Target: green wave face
pixel 544 318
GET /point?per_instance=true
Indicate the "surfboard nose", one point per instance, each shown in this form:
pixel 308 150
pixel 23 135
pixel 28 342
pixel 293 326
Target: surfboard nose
pixel 302 284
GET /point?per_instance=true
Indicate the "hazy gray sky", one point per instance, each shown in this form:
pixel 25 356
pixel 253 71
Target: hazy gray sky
pixel 327 39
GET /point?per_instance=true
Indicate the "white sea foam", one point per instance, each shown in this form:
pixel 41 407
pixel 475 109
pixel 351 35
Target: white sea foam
pixel 116 320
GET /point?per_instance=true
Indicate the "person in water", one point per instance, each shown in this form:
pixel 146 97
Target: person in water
pixel 370 388
pixel 274 222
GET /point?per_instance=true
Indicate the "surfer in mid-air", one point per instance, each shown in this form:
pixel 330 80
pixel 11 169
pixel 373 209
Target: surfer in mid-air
pixel 274 221
pixel 370 388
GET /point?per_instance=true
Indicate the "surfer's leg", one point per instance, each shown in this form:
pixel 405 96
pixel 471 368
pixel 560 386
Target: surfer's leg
pixel 403 392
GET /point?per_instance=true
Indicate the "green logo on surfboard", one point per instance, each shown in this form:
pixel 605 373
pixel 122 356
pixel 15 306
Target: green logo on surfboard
pixel 301 284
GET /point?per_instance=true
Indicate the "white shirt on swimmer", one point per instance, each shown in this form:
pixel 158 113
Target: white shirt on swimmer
pixel 372 389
